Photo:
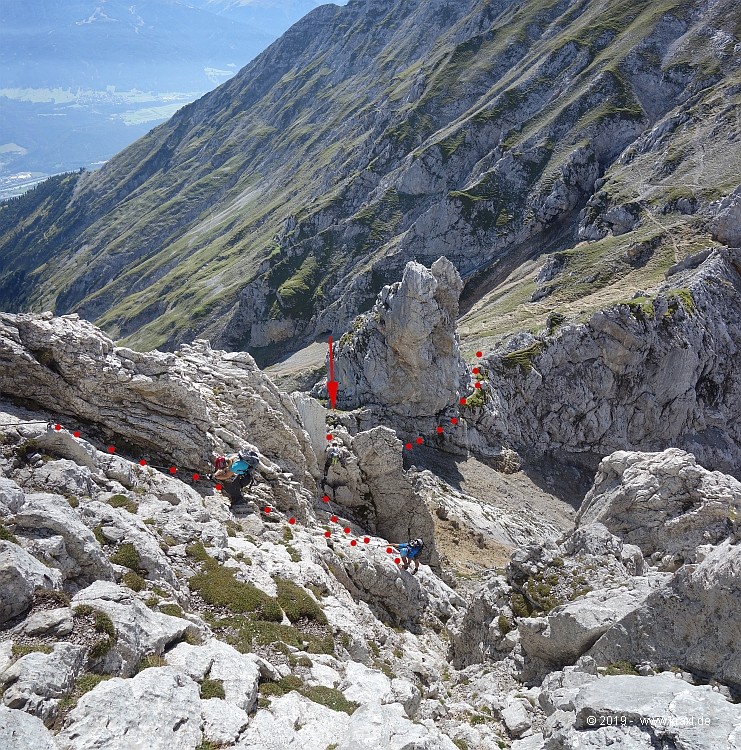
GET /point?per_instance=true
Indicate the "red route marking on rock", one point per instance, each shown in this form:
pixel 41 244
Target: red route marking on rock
pixel 420 440
pixel 325 499
pixel 408 446
pixel 328 534
pixel 334 519
pixel 463 400
pixel 76 433
pixel 218 487
pixel 196 477
pixel 111 448
pixel 397 560
pixel 388 550
pixel 475 371
pixel 142 462
pixel 477 385
pixel 57 427
pixel 353 543
pixel 329 437
pixel 440 430
pixel 291 521
pixel 366 540
pixel 454 420
pixel 173 470
pixel 267 509
pixel 346 530
pixel 479 354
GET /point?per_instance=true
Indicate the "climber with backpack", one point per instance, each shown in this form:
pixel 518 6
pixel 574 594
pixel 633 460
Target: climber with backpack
pixel 236 473
pixel 410 552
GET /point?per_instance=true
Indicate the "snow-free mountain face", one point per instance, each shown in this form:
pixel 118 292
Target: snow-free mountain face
pixel 601 135
pixel 80 80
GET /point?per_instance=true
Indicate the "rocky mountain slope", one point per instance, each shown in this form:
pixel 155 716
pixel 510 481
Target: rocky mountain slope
pixel 277 206
pixel 137 607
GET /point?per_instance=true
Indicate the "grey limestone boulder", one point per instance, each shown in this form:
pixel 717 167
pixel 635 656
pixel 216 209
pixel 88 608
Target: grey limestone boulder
pixel 42 513
pixel 139 630
pixel 638 713
pixel 36 682
pixel 20 575
pixel 159 709
pixel 239 673
pixel 21 731
pixel 664 503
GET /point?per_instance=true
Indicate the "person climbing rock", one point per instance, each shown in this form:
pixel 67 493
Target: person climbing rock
pixel 409 552
pixel 236 473
pixel 332 462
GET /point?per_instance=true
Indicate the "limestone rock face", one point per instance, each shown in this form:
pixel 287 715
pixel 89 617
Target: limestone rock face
pixel 44 512
pixel 726 226
pixel 662 502
pixel 404 356
pixel 163 403
pixel 37 681
pixel 631 378
pixel 20 575
pixel 158 709
pixel 670 627
pixel 645 712
pixel 21 730
pixel 139 630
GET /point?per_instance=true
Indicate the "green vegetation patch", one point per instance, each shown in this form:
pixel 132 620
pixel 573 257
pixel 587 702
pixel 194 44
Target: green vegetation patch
pixel 621 667
pixel 297 603
pixel 7 536
pixel 127 555
pixel 217 585
pixel 173 610
pixel 325 696
pixel 133 580
pixel 121 501
pixel 83 684
pixel 683 297
pixel 212 689
pixel 523 358
pixel 102 624
pixel 22 649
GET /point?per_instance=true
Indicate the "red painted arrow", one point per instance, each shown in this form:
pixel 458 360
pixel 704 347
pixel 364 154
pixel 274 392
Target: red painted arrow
pixel 332 384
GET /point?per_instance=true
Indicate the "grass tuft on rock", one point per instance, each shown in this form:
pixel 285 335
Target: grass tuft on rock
pixel 212 689
pixel 23 649
pixel 297 603
pixel 134 581
pixel 217 585
pixel 7 536
pixel 121 501
pixel 127 555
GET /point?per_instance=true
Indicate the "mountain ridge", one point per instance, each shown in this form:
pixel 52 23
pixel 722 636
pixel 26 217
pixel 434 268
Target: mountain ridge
pixel 274 208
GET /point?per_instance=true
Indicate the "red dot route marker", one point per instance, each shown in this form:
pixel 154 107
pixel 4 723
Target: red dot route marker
pixel 325 499
pixel 57 427
pixel 328 534
pixel 267 509
pixel 111 448
pixel 76 433
pixel 420 440
pixel 334 519
pixel 142 462
pixel 346 530
pixel 397 560
pixel 353 543
pixel 173 470
pixel 329 436
pixel 463 400
pixel 196 477
pixel 218 487
pixel 479 354
pixel 366 540
pixel 454 420
pixel 408 446
pixel 440 430
pixel 475 371
pixel 388 550
pixel 291 521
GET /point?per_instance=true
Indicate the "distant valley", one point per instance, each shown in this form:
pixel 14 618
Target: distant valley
pixel 81 80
